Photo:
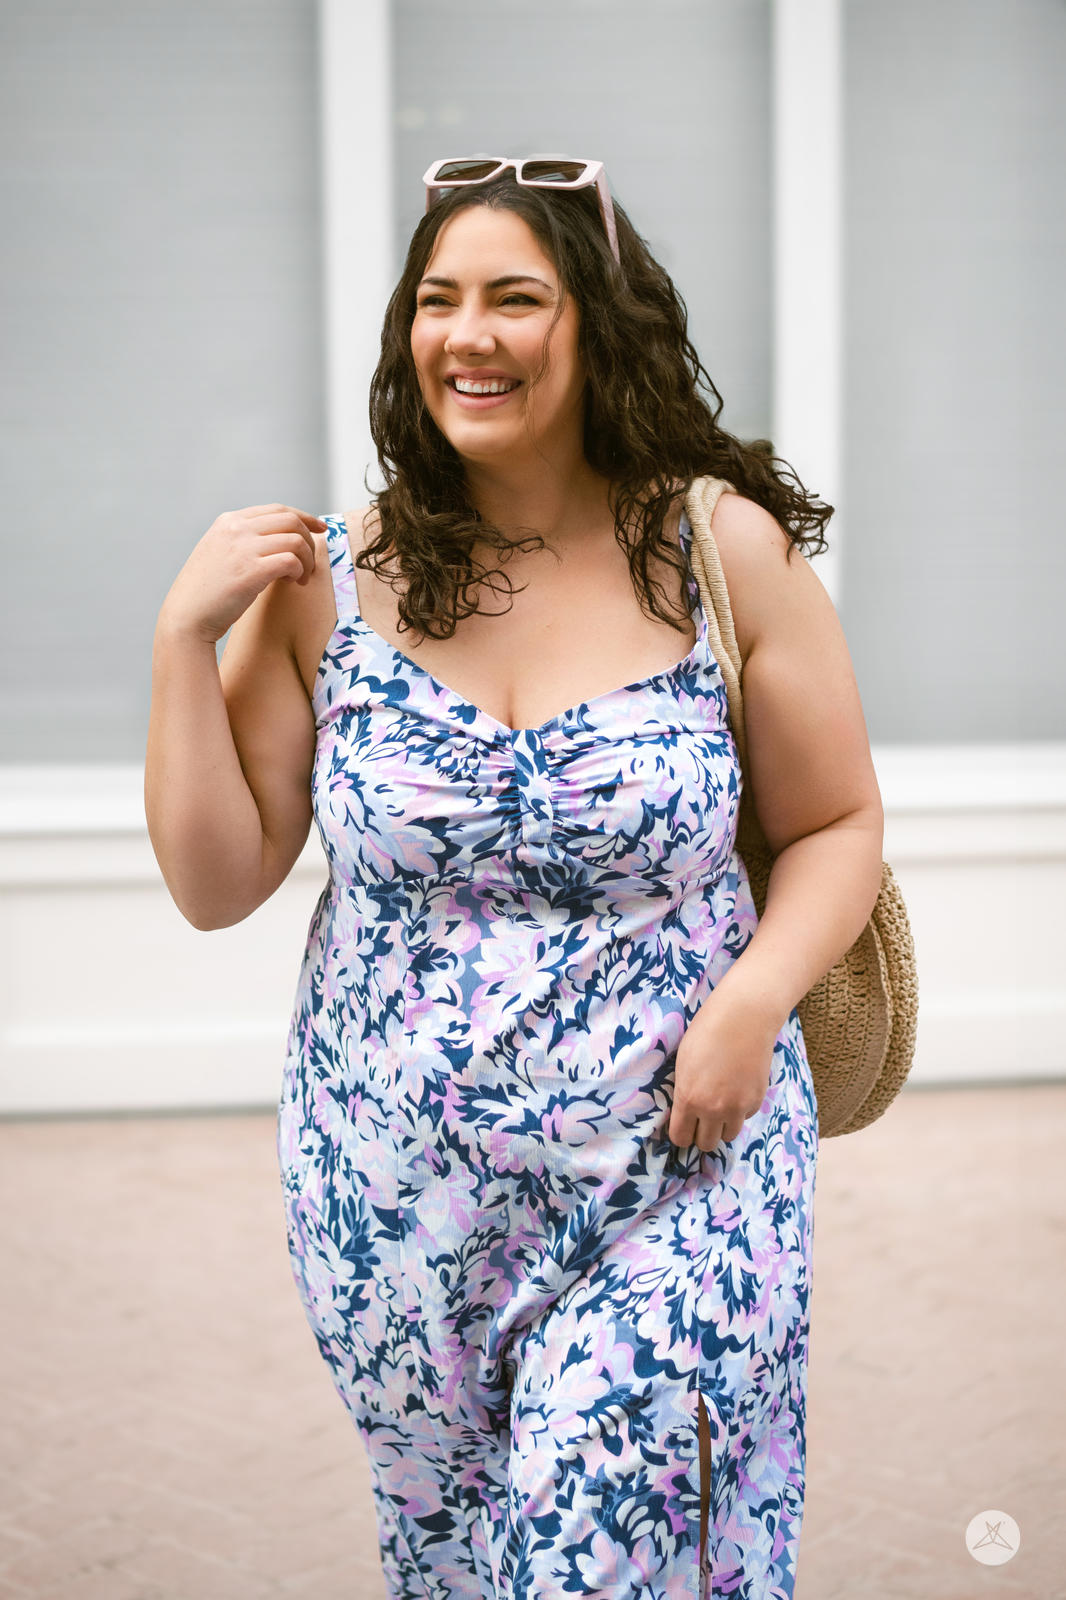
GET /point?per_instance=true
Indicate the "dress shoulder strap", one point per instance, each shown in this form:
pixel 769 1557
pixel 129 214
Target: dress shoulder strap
pixel 695 598
pixel 345 592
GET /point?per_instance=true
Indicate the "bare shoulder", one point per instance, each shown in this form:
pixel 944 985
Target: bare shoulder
pixel 363 525
pixel 809 760
pixel 765 583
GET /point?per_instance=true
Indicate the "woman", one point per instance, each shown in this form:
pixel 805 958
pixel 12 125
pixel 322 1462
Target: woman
pixel 547 1129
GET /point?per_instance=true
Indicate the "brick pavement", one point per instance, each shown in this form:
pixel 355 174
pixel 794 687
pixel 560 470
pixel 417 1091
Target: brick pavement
pixel 171 1433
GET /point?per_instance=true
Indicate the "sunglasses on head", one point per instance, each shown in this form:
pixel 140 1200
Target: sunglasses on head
pixel 533 172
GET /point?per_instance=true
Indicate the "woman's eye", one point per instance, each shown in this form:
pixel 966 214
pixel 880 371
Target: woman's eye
pixel 429 302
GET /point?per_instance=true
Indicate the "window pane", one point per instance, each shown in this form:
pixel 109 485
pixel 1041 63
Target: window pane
pixel 955 237
pixel 160 272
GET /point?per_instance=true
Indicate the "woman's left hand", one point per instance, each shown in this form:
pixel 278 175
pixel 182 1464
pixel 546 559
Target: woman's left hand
pixel 722 1070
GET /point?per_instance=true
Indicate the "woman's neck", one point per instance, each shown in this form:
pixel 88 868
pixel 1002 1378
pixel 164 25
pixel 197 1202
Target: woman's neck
pixel 561 506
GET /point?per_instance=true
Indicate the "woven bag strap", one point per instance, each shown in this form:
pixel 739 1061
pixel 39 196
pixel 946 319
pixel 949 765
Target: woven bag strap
pixel 700 502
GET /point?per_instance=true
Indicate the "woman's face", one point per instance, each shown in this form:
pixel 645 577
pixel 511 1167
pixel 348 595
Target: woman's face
pixel 483 312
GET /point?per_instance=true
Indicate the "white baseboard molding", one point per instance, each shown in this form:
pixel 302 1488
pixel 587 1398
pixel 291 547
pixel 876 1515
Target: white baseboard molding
pixel 82 1068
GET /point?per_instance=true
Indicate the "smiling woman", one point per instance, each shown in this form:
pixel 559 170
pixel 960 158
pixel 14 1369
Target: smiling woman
pixel 547 1130
pixel 495 346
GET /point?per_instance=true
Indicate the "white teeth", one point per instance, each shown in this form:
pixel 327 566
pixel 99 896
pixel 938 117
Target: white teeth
pixel 493 386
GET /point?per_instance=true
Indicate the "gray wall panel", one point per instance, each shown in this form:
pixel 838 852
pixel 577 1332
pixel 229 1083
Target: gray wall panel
pixel 160 274
pixel 955 345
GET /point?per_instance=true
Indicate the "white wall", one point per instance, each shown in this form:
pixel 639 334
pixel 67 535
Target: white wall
pixel 108 997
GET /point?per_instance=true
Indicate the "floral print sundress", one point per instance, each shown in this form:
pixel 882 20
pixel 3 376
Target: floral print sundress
pixel 518 1283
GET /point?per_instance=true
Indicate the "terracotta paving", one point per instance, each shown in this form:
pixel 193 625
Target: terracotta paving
pixel 169 1431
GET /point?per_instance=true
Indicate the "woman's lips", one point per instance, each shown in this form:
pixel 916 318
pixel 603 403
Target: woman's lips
pixel 480 402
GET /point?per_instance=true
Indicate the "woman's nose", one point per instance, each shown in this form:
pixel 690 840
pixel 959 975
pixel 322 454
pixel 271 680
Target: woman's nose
pixel 470 333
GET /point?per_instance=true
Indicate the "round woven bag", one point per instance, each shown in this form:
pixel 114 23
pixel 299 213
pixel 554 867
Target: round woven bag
pixel 860 1020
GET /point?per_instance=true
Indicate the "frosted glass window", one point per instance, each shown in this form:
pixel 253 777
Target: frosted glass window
pixel 955 239
pixel 159 269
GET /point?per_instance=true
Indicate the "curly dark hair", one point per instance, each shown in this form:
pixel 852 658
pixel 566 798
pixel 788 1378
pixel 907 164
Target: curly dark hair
pixel 648 429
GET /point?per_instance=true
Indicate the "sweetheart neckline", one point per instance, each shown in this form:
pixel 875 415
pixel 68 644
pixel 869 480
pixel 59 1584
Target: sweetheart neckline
pixel 502 730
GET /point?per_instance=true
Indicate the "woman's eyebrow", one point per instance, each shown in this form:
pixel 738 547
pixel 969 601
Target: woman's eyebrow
pixel 496 283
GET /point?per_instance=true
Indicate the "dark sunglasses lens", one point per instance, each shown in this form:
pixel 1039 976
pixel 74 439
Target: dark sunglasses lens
pixel 468 171
pixel 553 171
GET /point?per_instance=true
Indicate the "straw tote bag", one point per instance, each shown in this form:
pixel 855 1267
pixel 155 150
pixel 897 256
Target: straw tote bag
pixel 859 1021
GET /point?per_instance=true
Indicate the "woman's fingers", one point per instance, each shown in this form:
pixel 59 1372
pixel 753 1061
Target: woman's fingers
pixel 302 547
pixel 284 519
pixel 689 1126
pixel 238 557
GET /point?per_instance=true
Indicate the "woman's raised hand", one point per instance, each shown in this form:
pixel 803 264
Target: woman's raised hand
pixel 239 555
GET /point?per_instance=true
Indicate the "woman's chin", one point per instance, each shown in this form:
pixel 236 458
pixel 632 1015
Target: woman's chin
pixel 479 443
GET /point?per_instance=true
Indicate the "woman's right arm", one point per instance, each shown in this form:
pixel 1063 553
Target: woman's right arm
pixel 227 783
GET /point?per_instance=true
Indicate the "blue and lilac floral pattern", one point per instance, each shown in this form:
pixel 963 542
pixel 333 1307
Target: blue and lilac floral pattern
pixel 520 1286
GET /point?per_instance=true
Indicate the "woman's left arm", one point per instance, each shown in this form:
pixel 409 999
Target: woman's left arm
pixel 816 795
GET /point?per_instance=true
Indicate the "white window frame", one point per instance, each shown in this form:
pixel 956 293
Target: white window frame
pixel 808 246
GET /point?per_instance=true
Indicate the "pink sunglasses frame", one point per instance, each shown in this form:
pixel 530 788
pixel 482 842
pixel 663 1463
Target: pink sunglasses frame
pixel 594 173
